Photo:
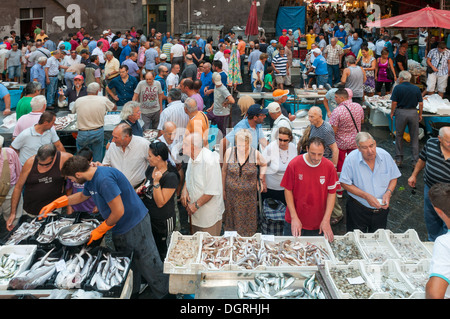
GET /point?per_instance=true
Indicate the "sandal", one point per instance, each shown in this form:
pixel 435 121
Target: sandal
pixel 335 220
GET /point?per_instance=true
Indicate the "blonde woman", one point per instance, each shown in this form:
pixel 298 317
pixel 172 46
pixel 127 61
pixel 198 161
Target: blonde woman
pixel 243 175
pixel 244 103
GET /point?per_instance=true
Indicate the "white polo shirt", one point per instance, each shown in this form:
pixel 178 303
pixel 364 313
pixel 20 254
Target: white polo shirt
pixel 204 176
pixel 177 50
pixel 440 263
pixel 132 162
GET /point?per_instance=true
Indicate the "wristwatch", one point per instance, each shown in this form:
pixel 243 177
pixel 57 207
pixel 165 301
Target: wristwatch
pixel 156 186
pixel 196 205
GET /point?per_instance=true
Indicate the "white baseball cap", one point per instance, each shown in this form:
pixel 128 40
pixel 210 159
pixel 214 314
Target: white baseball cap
pixel 273 107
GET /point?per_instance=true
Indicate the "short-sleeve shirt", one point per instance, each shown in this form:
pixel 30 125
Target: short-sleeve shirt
pixel 333 54
pixel 172 80
pixel 150 56
pixel 437 168
pixel 355 171
pixel 132 67
pixel 220 95
pixel 346 130
pixel 108 183
pixel 325 132
pixel 149 96
pixel 440 60
pixel 13 57
pixel 280 63
pixel 23 107
pixel 125 90
pixel 257 133
pixel 29 141
pixel 320 65
pixel 440 262
pixel 406 95
pixel 310 185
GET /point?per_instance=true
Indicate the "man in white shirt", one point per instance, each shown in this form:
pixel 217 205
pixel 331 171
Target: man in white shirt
pixel 173 79
pixel 423 37
pixel 280 120
pixel 202 193
pixel 177 53
pixel 128 153
pixel 69 61
pixel 51 76
pixel 174 112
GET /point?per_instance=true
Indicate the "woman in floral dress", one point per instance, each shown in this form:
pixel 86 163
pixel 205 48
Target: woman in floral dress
pixel 368 64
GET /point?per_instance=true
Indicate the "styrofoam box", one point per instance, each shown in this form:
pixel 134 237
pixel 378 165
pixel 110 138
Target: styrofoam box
pixel 318 241
pixel 350 236
pixel 22 251
pixel 396 279
pixel 356 265
pixel 417 274
pixel 192 266
pixel 376 246
pixel 408 246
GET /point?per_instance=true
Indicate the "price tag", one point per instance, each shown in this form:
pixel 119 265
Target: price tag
pixel 60 265
pixel 230 233
pixel 268 237
pixel 356 281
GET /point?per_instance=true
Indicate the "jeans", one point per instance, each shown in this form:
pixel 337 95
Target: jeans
pixel 14 72
pixel 146 260
pixel 322 80
pixel 421 53
pixel 94 140
pixel 435 225
pixel 333 74
pixel 51 90
pixel 68 77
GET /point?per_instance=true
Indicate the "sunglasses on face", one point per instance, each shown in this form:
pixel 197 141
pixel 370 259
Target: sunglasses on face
pixel 46 164
pixel 282 140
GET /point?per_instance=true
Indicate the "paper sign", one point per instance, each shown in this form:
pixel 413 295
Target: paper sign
pixel 356 281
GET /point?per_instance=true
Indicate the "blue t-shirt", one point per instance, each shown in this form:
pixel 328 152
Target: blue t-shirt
pixel 107 184
pixel 125 91
pixel 125 52
pixel 257 133
pixel 407 96
pixel 320 65
pixel 340 35
pixel 206 82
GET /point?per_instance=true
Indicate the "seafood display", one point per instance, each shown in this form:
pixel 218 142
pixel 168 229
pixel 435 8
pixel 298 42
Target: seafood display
pixel 9 266
pixel 76 234
pixel 76 270
pixel 110 272
pixel 345 250
pixel 52 228
pixel 37 275
pixel 278 286
pixel 183 253
pixel 351 281
pixel 61 122
pixel 216 252
pixel 25 230
pixel 409 247
pixel 389 282
pixel 376 246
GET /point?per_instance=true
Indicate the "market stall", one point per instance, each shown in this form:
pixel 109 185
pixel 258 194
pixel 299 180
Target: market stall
pixel 354 266
pixel 15 90
pixel 49 259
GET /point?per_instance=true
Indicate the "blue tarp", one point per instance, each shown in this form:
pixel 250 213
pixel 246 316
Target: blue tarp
pixel 290 18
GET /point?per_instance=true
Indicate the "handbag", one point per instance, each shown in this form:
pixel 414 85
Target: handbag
pixel 273 210
pixel 390 74
pixel 430 69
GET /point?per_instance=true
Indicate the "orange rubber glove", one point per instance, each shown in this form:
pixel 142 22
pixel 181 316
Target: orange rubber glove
pixel 57 203
pixel 98 232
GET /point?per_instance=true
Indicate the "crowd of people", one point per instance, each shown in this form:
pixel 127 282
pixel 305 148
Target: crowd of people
pixel 191 179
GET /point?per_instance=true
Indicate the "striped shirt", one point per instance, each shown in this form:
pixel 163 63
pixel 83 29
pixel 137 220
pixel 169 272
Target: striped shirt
pixel 437 168
pixel 166 50
pixel 280 63
pixel 325 132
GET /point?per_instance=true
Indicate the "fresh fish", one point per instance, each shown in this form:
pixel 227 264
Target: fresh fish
pixel 25 230
pixel 78 268
pixel 110 272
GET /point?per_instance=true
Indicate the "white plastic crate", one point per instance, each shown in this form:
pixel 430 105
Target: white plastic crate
pixel 190 247
pixel 346 249
pixel 388 279
pixel 214 257
pixel 350 282
pixel 249 246
pixel 409 246
pixel 312 244
pixel 376 246
pixel 24 253
pixel 417 274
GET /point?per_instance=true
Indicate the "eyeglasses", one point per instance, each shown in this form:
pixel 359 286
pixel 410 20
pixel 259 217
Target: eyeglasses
pixel 46 164
pixel 282 140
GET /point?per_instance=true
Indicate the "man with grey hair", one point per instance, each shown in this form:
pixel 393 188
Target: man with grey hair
pixel 354 77
pixel 38 106
pixel 198 121
pixel 37 72
pixel 150 95
pixel 190 69
pixel 174 112
pixel 52 69
pixel 91 110
pixel 369 175
pixel 406 97
pixel 434 159
pixel 202 194
pixel 130 114
pixel 23 106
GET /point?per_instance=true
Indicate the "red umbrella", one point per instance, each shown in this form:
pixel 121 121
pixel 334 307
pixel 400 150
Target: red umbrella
pixel 252 22
pixel 426 18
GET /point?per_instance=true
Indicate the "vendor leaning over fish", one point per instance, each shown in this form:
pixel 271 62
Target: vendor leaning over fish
pixel 124 215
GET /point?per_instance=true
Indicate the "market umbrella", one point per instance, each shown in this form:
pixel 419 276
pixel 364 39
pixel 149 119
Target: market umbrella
pixel 234 70
pixel 252 22
pixel 426 18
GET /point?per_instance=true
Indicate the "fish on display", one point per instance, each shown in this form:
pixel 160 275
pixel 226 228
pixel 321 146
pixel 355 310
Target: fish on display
pixel 25 230
pixel 110 272
pixel 52 228
pixel 279 286
pixel 37 275
pixel 9 265
pixel 76 270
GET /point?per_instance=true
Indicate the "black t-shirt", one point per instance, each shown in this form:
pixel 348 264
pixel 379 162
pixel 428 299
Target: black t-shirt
pixel 403 59
pixel 169 179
